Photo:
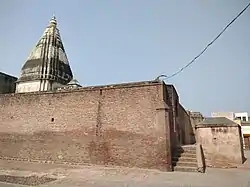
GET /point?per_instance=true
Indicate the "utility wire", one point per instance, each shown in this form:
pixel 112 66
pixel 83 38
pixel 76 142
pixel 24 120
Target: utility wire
pixel 207 46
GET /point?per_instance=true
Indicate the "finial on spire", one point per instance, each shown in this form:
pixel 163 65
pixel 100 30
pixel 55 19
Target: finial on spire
pixel 53 20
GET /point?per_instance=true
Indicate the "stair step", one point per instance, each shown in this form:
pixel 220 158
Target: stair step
pixel 182 151
pixel 190 155
pixel 184 159
pixel 183 148
pixel 192 146
pixel 185 169
pixel 185 164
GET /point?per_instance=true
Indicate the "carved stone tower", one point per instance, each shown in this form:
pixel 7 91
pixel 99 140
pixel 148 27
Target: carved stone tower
pixel 47 66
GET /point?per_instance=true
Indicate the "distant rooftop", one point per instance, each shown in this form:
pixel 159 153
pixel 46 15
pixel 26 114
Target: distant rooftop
pixel 216 122
pixel 74 82
pixel 245 123
pixel 7 75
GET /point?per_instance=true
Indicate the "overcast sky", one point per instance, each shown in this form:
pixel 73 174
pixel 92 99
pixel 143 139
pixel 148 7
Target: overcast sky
pixel 114 41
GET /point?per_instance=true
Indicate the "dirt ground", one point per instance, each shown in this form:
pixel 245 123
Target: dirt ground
pixel 98 176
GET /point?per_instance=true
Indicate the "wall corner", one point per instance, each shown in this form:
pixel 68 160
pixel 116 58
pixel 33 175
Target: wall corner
pixel 163 132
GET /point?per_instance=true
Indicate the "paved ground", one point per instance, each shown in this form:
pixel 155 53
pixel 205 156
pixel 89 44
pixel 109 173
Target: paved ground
pixel 89 176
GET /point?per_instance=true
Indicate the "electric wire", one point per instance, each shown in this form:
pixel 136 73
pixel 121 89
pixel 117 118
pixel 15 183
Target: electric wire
pixel 207 46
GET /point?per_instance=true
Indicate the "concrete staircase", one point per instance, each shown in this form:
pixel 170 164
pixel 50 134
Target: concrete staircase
pixel 184 159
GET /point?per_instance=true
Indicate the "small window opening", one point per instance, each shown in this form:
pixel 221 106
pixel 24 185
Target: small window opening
pixel 52 119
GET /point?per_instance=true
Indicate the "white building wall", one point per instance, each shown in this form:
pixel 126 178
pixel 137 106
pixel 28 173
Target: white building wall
pixel 35 86
pixel 242 116
pixel 229 115
pixel 31 86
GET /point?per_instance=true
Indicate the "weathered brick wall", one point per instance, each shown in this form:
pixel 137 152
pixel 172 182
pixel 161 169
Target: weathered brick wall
pixel 111 126
pixel 184 121
pixel 195 118
pixel 173 103
pixel 221 144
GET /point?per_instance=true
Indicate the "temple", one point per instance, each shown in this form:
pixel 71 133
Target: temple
pixel 136 124
pixel 47 67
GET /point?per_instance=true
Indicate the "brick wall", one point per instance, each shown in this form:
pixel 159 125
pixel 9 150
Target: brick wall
pixel 186 128
pixel 195 119
pixel 222 145
pixel 114 125
pixel 173 102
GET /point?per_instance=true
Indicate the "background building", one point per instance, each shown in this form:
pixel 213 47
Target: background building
pixel 229 115
pixel 241 118
pixel 245 126
pixel 7 83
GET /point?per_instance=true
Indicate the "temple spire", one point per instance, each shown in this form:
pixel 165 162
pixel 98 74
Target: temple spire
pixel 47 66
pixel 53 20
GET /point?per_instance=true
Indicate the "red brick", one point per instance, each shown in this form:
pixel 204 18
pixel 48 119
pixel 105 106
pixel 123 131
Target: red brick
pixel 111 126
